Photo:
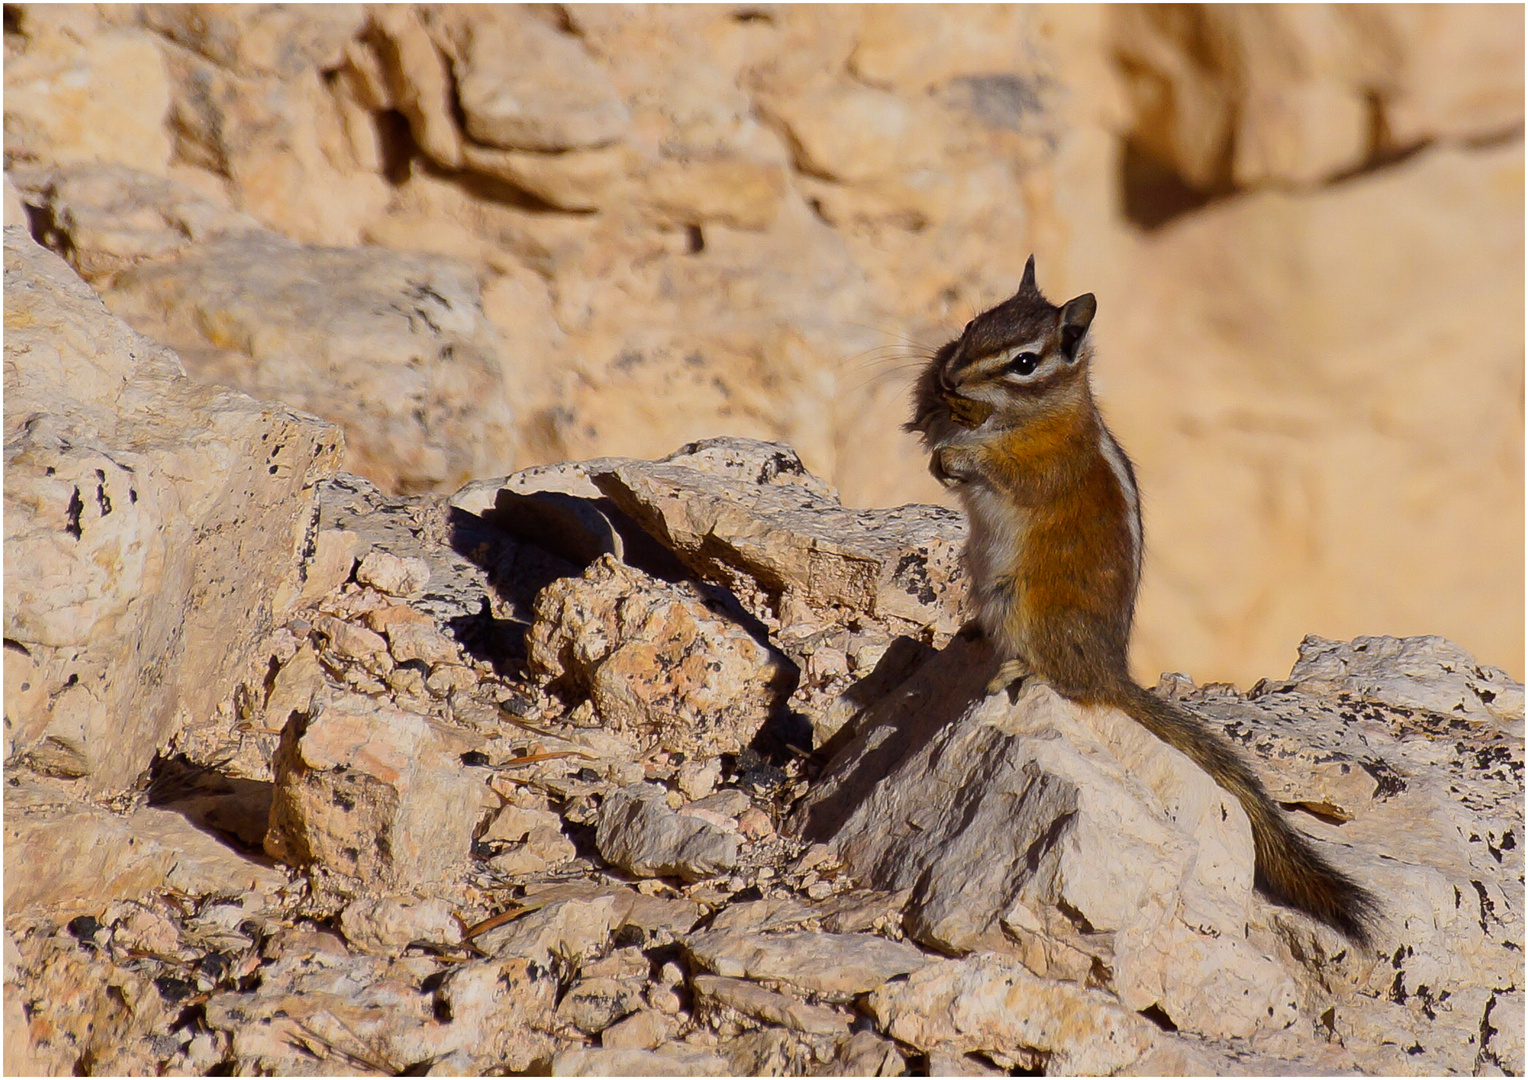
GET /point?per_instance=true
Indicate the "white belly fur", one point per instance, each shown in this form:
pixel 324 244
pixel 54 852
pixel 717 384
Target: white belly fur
pixel 998 529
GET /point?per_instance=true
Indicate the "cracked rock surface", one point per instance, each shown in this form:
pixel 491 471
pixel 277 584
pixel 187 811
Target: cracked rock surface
pixel 624 767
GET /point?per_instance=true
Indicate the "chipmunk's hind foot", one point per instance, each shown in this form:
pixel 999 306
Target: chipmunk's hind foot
pixel 1010 676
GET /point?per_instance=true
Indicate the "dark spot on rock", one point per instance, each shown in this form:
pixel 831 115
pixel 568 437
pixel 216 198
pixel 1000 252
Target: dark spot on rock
pixel 72 515
pixel 629 935
pixel 475 759
pixel 172 989
pixel 84 927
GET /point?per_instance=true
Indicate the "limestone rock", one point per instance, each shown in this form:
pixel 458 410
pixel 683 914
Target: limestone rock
pixel 283 42
pixel 852 133
pixel 524 85
pixel 373 792
pixel 1428 673
pixel 676 1061
pixel 104 218
pixel 497 1004
pixel 865 1054
pixel 1058 785
pixel 753 1000
pixel 405 69
pixel 640 834
pixel 570 927
pixel 592 1005
pixel 657 660
pixel 836 966
pixel 643 1030
pixel 1332 742
pixel 390 924
pixel 78 1006
pixel 783 545
pixel 152 525
pixel 284 146
pixel 66 102
pixel 83 857
pixel 306 324
pixel 567 179
pixel 993 1005
pixel 393 575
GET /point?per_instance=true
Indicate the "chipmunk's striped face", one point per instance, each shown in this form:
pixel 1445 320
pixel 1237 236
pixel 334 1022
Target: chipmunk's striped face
pixel 1021 351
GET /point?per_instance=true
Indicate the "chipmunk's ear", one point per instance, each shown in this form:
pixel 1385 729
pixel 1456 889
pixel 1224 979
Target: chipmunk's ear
pixel 1076 317
pixel 1027 287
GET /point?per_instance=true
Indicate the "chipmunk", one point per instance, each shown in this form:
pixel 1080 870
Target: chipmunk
pixel 1054 554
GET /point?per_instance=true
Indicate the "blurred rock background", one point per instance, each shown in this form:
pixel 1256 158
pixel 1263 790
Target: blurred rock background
pixel 482 238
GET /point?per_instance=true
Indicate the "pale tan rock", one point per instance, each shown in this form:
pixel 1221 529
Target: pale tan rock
pixel 78 1007
pixel 15 209
pixel 642 1030
pixel 853 133
pixel 83 857
pixel 318 1006
pixel 284 146
pixel 836 966
pixel 738 190
pixel 1461 73
pixel 1061 785
pixel 304 324
pixel 575 927
pixel 293 688
pixel 1429 673
pixel 989 1004
pixel 415 77
pixel 1238 525
pixel 107 217
pixel 642 836
pixel 865 1054
pixel 584 179
pixel 115 462
pixel 534 837
pixel 1257 96
pixel 678 1060
pixel 592 1005
pixel 784 547
pixel 282 42
pixel 496 1005
pixel 654 660
pixel 390 924
pixel 524 85
pixel 697 779
pixel 368 790
pixel 755 824
pixel 332 564
pixel 392 574
pixel 912 48
pixel 107 102
pixel 753 1000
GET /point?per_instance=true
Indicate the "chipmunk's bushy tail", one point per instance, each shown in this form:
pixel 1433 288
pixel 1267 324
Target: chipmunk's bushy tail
pixel 1289 869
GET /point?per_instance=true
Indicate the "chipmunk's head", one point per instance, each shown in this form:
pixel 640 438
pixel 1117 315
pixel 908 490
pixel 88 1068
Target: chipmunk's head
pixel 1022 357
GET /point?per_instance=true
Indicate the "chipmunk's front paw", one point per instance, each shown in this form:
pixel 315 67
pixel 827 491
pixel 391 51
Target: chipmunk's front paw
pixel 951 466
pixel 967 412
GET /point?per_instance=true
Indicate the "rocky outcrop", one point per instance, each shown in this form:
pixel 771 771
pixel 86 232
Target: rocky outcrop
pixel 680 766
pixel 676 766
pixel 153 528
pixel 646 226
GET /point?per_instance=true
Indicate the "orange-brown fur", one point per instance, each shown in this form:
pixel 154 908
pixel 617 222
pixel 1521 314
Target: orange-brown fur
pixel 1055 553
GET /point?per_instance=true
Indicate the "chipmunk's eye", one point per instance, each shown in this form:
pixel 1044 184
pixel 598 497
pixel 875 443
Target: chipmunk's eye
pixel 1023 363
